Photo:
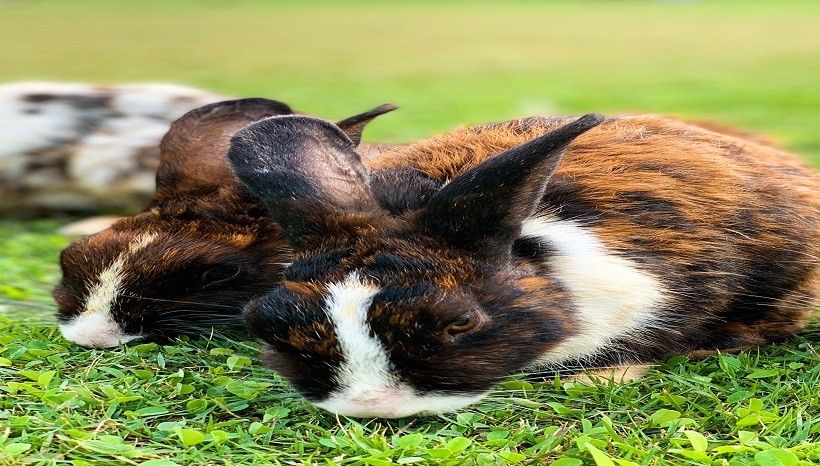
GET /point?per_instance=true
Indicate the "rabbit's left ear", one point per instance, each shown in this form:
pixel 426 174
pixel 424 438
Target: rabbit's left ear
pixel 305 170
pixel 354 125
pixel 192 152
pixel 483 208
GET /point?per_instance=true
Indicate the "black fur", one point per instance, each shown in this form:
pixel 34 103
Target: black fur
pixel 466 212
pixel 399 190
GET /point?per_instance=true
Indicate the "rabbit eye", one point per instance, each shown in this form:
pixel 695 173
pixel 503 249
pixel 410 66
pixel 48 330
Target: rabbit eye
pixel 219 275
pixel 469 321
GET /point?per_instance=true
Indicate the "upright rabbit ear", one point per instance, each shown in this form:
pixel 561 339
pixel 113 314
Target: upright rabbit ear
pixel 354 125
pixel 482 209
pixel 304 169
pixel 192 160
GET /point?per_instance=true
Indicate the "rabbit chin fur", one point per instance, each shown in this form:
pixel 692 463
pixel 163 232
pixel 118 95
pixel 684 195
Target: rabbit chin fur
pixel 422 277
pixel 94 325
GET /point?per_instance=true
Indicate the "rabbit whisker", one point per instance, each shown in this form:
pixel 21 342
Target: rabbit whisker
pixel 132 296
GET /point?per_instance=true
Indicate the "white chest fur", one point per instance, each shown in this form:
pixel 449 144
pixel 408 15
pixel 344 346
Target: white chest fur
pixel 614 297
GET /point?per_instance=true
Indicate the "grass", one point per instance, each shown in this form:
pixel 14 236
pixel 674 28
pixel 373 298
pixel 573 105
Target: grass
pixel 206 402
pixel 750 64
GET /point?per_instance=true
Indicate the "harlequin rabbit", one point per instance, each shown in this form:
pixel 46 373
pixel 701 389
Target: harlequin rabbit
pixel 195 256
pixel 415 286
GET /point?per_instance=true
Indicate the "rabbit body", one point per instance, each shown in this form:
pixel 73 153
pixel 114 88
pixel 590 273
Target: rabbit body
pixel 652 214
pixel 419 281
pixel 202 249
pixel 188 262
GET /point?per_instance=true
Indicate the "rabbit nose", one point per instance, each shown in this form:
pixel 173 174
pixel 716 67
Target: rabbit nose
pixel 380 394
pixel 385 402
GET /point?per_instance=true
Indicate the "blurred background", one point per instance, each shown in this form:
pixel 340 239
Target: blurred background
pixel 752 65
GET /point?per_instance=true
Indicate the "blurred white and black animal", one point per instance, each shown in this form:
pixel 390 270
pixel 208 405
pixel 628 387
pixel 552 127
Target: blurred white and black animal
pixel 421 278
pixel 81 148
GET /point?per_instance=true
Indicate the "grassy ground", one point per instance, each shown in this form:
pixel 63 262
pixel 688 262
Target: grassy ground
pixel 750 64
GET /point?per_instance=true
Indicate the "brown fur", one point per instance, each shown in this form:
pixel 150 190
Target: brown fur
pixel 721 196
pixel 204 225
pixel 723 229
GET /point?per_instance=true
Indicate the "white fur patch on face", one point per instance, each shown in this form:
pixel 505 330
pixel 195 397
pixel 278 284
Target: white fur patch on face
pixel 94 330
pixel 367 386
pixel 365 371
pixel 615 298
pixel 102 296
pixel 141 242
pixel 95 326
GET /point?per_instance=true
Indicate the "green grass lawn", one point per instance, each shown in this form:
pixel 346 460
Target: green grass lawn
pixel 753 65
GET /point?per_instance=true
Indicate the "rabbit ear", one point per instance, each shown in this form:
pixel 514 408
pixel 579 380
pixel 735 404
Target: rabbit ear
pixel 192 160
pixel 304 169
pixel 483 208
pixel 354 125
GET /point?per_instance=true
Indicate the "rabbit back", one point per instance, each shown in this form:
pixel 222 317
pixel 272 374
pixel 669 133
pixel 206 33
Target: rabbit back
pixel 670 237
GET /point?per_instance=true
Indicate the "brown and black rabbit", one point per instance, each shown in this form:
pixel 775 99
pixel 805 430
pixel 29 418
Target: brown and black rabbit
pixel 201 250
pixel 420 281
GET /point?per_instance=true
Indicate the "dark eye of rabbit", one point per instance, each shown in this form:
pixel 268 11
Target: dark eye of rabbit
pixel 468 322
pixel 219 275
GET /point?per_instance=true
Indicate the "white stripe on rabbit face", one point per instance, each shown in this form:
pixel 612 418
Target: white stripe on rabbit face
pixel 615 298
pixel 94 326
pixel 366 361
pixel 367 385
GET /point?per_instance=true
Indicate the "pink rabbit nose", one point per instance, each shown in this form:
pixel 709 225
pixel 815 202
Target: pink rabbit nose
pixel 385 402
pixel 374 395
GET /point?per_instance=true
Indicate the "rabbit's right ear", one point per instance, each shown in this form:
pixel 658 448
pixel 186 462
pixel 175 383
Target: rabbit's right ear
pixel 482 209
pixel 192 160
pixel 354 125
pixel 305 170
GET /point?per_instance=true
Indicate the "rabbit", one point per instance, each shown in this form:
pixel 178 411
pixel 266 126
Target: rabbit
pixel 81 148
pixel 421 279
pixel 196 255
